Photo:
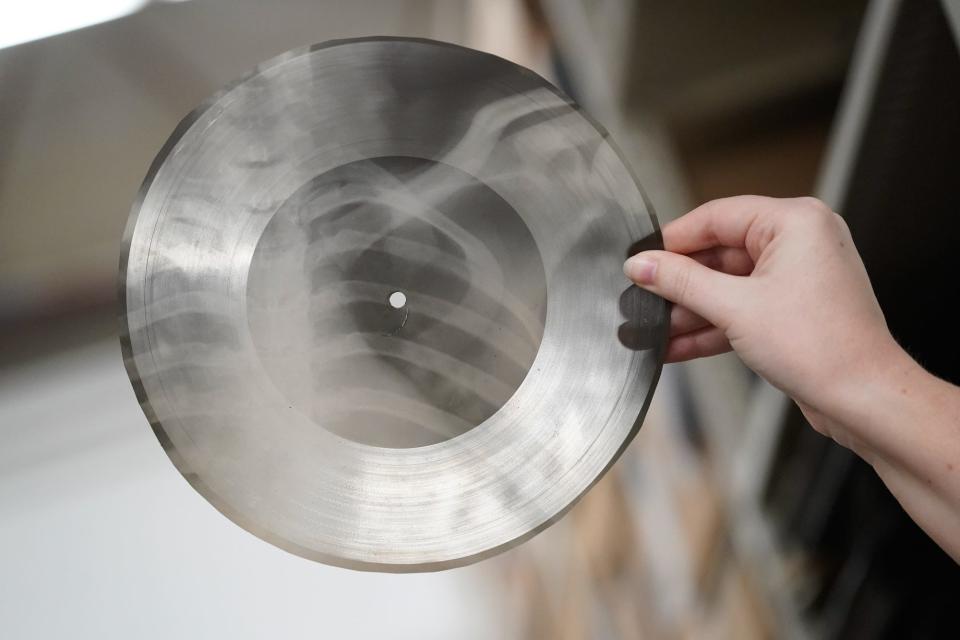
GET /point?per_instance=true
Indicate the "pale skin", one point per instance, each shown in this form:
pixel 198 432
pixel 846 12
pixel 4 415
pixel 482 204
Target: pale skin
pixel 780 282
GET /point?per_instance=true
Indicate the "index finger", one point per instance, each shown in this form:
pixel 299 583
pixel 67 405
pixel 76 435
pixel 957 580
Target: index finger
pixel 719 223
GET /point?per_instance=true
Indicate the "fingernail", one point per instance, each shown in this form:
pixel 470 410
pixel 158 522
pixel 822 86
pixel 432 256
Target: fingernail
pixel 640 270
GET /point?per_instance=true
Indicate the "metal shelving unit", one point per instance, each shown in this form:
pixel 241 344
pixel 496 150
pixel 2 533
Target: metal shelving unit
pixel 742 418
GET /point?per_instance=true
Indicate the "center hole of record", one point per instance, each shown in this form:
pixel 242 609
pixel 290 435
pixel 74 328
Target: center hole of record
pixel 355 245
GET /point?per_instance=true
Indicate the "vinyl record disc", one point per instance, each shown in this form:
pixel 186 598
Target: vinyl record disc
pixel 373 303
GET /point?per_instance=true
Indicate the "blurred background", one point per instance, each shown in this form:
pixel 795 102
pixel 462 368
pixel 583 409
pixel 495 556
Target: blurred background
pixel 727 518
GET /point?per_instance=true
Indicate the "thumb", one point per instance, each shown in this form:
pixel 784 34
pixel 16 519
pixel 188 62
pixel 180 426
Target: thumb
pixel 685 282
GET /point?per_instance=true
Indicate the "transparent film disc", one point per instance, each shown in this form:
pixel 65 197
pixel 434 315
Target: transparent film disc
pixel 373 303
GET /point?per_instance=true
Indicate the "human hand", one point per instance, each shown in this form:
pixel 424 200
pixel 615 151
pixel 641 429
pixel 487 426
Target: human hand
pixel 780 282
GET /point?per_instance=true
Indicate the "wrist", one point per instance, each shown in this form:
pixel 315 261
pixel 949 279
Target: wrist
pixel 874 401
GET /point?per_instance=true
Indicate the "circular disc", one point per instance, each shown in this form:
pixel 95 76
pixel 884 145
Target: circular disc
pixel 374 308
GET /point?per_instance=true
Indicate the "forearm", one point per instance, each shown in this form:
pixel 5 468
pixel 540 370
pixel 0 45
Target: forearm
pixel 906 424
